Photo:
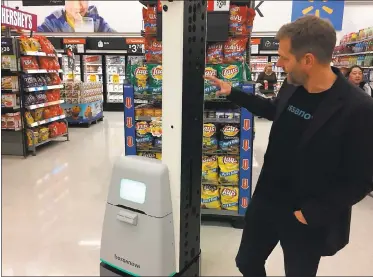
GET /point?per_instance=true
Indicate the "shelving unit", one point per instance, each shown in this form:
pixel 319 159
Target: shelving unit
pixel 32 102
pixel 134 121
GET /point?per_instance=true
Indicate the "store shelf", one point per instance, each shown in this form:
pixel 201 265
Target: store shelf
pixel 33 89
pixel 10 109
pixel 37 71
pixel 40 54
pixel 218 212
pixel 358 41
pixel 220 152
pixel 222 120
pixel 154 149
pixel 353 54
pixel 11 130
pixel 147 118
pixel 46 141
pixel 33 107
pixel 46 121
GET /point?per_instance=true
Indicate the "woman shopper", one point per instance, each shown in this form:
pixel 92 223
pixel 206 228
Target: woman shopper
pixel 355 76
pixel 267 76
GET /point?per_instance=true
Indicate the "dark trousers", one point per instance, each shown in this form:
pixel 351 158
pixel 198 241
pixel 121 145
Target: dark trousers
pixel 267 225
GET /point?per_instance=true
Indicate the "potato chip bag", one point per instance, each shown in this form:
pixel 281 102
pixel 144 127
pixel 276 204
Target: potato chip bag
pixel 229 198
pixel 144 138
pixel 150 155
pixel 29 63
pixel 210 90
pixel 238 20
pixel 215 53
pixel 153 50
pixel 155 78
pixel 24 44
pixel 34 44
pixel 228 170
pixel 232 73
pixel 250 20
pixel 210 169
pixel 210 142
pixel 235 50
pixel 229 138
pixel 149 16
pixel 210 197
pixel 139 76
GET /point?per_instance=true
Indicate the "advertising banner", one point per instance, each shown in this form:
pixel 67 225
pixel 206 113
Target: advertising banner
pixel 83 16
pixel 18 19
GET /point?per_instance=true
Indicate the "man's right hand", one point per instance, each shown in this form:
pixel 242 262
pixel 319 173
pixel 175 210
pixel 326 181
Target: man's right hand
pixel 224 87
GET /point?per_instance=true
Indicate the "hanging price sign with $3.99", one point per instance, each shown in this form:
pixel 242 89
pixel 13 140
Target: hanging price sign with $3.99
pixel 135 45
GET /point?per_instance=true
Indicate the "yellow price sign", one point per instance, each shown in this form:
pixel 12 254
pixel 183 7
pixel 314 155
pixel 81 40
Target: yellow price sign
pixel 70 76
pixel 93 78
pixel 116 79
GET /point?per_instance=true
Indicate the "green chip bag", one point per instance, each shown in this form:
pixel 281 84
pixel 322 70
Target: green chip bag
pixel 232 73
pixel 139 76
pixel 155 78
pixel 210 90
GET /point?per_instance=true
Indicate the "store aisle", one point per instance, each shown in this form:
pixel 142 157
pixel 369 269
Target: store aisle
pixel 53 207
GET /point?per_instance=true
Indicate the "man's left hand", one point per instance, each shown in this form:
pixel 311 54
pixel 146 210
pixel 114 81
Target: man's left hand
pixel 300 217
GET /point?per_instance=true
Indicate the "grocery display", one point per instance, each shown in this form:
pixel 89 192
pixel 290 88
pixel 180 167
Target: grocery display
pixel 227 129
pixel 115 76
pixel 356 49
pixel 34 90
pixel 83 102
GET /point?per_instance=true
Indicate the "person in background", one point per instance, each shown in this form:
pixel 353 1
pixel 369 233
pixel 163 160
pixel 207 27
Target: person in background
pixel 318 162
pixel 65 20
pixel 355 76
pixel 267 76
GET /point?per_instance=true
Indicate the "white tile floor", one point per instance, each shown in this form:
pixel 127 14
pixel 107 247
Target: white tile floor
pixel 53 206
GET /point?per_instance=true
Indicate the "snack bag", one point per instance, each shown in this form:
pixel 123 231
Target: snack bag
pixel 30 100
pixel 149 16
pixel 155 78
pixel 40 81
pixel 238 20
pixel 153 50
pixel 210 90
pixel 49 63
pixel 139 75
pixel 229 138
pixel 250 20
pixel 34 44
pixel 229 198
pixel 41 98
pixel 53 130
pixel 231 73
pixel 55 79
pixel 215 53
pixel 29 80
pixel 29 118
pixel 156 128
pixel 29 63
pixel 43 134
pixel 210 197
pixel 234 50
pixel 37 114
pixel 210 142
pixel 144 139
pixel 45 45
pixel 210 169
pixel 229 168
pixel 24 44
pixel 32 137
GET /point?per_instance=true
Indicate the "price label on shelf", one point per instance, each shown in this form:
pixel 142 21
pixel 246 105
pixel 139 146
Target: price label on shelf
pixel 7 46
pixel 93 78
pixel 116 79
pixel 70 76
pixel 136 48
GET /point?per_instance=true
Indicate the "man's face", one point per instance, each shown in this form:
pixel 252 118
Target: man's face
pixel 356 76
pixel 297 70
pixel 76 9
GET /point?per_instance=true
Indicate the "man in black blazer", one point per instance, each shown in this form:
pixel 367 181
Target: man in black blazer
pixel 319 160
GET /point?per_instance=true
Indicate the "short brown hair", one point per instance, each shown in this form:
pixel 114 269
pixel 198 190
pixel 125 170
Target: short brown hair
pixel 310 34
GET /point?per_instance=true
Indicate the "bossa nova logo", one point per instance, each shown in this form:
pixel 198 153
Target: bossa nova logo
pixel 230 71
pixel 123 260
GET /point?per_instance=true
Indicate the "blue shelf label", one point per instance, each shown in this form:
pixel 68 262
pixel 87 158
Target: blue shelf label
pixel 129 120
pixel 246 156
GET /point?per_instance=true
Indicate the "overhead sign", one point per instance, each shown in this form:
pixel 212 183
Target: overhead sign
pixel 18 19
pixel 327 9
pixel 106 43
pixel 43 3
pixel 268 45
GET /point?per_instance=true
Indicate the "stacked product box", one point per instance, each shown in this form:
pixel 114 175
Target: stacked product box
pixel 83 101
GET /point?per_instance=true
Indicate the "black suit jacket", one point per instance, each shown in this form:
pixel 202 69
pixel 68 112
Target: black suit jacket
pixel 334 161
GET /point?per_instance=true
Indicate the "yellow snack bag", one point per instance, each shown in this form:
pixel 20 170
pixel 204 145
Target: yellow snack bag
pixel 210 141
pixel 151 155
pixel 29 118
pixel 37 114
pixel 229 168
pixel 229 198
pixel 210 197
pixel 210 169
